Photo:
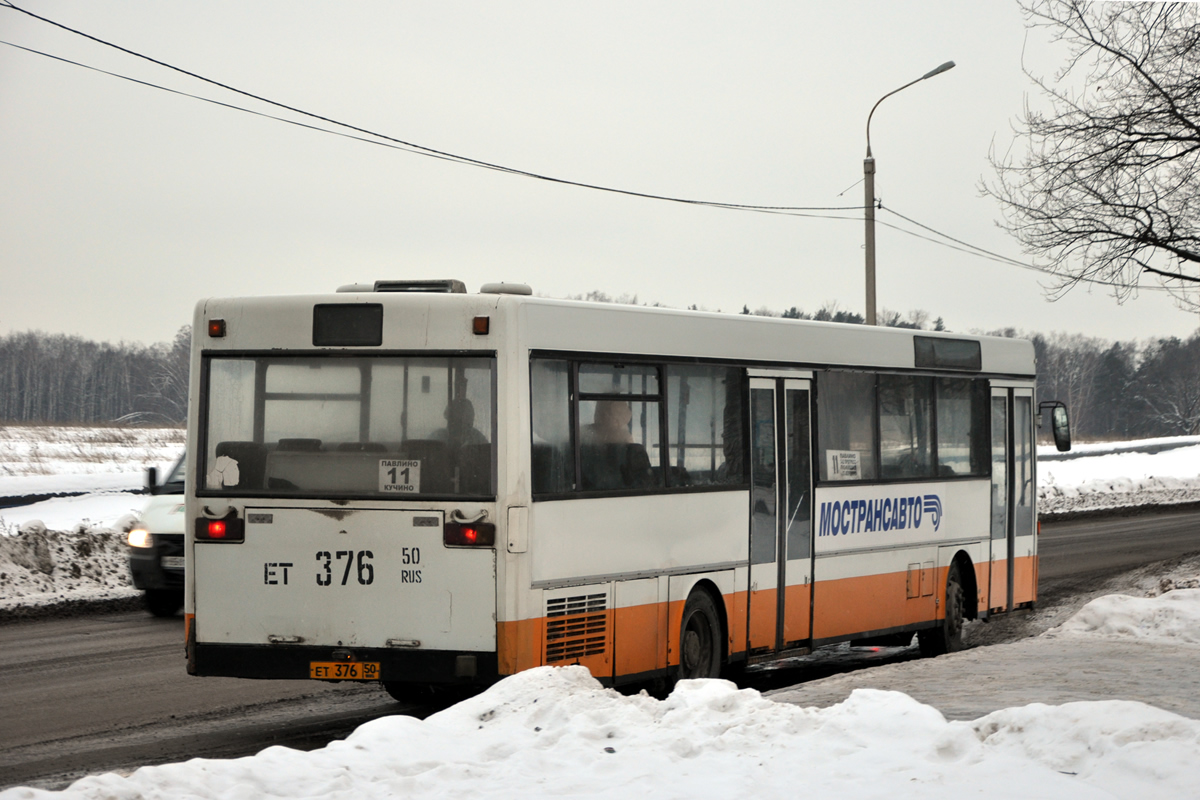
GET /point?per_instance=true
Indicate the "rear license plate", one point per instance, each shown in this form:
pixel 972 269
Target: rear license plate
pixel 344 670
pixel 172 562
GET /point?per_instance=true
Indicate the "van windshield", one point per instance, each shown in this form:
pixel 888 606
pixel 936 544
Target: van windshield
pixel 336 426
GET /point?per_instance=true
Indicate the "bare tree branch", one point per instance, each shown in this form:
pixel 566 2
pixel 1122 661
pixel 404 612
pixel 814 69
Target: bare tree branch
pixel 1108 186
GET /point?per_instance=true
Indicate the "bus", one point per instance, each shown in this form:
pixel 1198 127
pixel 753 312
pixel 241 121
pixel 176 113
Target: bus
pixel 408 483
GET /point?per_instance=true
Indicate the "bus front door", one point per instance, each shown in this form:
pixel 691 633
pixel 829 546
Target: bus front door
pixel 780 597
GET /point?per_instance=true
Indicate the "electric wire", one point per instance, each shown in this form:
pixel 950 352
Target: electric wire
pixel 422 149
pixel 384 140
pixel 980 252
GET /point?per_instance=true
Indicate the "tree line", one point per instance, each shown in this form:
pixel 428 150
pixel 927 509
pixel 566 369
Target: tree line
pixel 55 378
pixel 1114 390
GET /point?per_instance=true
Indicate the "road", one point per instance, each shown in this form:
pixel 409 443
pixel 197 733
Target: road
pixel 109 692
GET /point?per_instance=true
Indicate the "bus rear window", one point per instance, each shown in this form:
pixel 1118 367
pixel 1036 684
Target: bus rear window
pixel 379 426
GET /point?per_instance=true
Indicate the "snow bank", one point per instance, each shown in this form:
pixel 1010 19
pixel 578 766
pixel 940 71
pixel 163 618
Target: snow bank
pixel 1171 617
pixel 40 567
pixel 554 732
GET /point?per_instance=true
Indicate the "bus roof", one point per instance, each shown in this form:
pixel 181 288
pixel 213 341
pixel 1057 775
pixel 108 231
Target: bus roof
pixel 414 320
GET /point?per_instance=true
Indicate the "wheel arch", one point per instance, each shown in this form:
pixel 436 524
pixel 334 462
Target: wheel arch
pixel 969 581
pixel 707 586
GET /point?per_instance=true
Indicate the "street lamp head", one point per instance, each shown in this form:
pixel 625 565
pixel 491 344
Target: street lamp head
pixel 938 70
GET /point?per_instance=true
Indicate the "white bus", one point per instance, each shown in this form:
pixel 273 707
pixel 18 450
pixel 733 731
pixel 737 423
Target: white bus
pixel 411 484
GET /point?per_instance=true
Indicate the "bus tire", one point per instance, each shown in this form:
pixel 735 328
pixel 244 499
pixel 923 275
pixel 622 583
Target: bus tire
pixel 163 602
pixel 946 637
pixel 699 639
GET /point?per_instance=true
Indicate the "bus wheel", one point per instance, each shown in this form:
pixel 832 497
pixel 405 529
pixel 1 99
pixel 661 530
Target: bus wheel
pixel 699 639
pixel 947 636
pixel 163 602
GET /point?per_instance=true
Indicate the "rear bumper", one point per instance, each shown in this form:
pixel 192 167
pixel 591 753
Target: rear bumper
pixel 291 662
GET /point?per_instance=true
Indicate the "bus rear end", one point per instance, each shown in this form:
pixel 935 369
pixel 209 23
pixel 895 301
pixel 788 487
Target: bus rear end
pixel 342 496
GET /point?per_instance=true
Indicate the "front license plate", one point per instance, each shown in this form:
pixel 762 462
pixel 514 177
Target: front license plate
pixel 344 670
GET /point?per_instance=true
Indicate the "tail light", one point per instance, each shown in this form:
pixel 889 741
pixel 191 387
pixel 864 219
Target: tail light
pixel 225 529
pixel 469 534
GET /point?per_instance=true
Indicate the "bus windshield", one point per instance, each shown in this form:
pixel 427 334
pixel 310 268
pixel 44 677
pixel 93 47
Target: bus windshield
pixel 336 426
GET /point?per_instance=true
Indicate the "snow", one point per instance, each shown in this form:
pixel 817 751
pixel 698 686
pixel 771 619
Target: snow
pixel 555 732
pixel 72 548
pixel 1114 475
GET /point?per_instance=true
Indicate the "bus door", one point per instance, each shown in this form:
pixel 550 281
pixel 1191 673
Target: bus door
pixel 780 598
pixel 1013 579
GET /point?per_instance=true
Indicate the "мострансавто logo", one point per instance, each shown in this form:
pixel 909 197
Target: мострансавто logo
pixel 887 514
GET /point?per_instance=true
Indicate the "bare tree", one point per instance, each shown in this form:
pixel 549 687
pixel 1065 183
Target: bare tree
pixel 1108 189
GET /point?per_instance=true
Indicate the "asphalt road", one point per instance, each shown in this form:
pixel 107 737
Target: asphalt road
pixel 109 692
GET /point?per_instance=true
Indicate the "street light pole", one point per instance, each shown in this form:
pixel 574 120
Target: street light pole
pixel 869 193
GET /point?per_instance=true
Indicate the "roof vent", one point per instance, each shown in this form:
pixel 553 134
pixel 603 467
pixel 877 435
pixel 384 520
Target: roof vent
pixel 505 288
pixel 356 287
pixel 447 286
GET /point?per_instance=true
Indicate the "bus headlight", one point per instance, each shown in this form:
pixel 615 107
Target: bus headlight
pixel 140 537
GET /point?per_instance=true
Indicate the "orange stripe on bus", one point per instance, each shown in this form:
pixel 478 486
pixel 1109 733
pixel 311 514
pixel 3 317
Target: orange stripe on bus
pixel 644 638
pixel 871 603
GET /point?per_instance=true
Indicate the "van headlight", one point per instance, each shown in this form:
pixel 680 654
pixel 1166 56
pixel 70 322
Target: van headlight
pixel 140 537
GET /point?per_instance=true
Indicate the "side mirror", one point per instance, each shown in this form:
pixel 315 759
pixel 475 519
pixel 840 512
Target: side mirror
pixel 152 480
pixel 1060 423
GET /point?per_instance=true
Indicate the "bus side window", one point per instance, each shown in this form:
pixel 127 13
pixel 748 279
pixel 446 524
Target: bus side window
pixel 552 452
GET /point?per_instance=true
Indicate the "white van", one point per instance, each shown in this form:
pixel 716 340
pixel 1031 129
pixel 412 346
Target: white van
pixel 156 544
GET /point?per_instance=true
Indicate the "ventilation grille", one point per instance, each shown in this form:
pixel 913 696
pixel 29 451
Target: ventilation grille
pixel 576 627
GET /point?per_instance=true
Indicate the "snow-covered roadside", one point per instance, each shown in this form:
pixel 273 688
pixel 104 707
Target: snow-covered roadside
pixel 554 732
pixel 70 551
pixel 1096 477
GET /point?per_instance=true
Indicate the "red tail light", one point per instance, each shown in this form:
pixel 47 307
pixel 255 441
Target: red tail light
pixel 226 529
pixel 469 534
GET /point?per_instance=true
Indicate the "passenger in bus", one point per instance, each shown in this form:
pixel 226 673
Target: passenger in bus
pixel 610 423
pixel 610 459
pixel 460 425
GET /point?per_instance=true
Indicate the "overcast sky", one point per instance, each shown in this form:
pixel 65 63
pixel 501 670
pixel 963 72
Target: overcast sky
pixel 123 205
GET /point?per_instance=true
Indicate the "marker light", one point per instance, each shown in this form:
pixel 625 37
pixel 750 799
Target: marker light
pixel 481 325
pixel 469 534
pixel 217 529
pixel 216 328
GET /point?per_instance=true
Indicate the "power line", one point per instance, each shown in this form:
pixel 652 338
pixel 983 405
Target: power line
pixel 406 145
pixel 980 252
pixel 385 140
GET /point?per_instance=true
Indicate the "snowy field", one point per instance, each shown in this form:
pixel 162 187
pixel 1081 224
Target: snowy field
pixel 554 732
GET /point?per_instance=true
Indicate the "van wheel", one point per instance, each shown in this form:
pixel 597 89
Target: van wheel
pixel 428 694
pixel 163 602
pixel 699 639
pixel 947 636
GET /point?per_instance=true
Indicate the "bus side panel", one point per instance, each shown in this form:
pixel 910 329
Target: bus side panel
pixel 870 592
pixel 1024 579
pixel 520 644
pixel 641 622
pixel 615 536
